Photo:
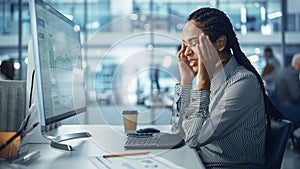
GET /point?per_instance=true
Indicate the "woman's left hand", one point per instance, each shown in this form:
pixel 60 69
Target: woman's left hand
pixel 209 61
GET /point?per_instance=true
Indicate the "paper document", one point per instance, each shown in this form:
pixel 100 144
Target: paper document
pixel 143 161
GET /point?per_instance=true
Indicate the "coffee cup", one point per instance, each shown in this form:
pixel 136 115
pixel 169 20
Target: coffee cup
pixel 130 120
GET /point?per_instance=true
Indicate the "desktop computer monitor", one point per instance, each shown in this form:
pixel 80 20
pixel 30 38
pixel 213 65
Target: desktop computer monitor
pixel 59 72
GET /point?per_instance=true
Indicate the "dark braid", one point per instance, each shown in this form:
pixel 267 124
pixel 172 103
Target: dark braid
pixel 215 23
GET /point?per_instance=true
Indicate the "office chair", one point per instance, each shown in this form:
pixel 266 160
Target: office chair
pixel 276 143
pixel 291 113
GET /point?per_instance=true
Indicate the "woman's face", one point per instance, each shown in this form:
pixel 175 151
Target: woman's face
pixel 190 38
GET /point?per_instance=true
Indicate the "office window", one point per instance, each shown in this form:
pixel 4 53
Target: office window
pixel 98 16
pixel 291 22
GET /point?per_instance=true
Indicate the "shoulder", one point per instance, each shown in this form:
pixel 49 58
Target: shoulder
pixel 288 71
pixel 274 61
pixel 244 86
pixel 241 73
pixel 244 82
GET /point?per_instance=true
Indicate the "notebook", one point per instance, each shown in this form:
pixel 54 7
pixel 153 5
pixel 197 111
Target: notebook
pixel 154 141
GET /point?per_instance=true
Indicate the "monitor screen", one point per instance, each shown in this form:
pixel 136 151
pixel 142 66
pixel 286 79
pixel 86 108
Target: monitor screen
pixel 58 62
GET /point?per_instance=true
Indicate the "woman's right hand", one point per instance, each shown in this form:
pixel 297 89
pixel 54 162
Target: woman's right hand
pixel 186 72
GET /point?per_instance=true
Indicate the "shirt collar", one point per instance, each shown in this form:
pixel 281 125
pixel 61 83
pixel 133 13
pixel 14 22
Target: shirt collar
pixel 223 75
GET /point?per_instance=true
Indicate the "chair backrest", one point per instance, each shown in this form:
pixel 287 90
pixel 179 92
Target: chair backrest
pixel 276 143
pixel 12 104
pixel 289 112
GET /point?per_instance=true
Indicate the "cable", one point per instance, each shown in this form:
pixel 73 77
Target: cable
pixel 31 88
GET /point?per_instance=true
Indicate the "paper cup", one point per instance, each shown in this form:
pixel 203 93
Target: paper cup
pixel 130 120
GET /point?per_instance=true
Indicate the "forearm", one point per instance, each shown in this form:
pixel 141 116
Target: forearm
pixel 180 103
pixel 195 115
pixel 203 79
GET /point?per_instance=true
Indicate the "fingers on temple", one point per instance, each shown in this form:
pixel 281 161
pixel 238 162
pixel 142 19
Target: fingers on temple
pixel 180 54
pixel 202 47
pixel 211 47
pixel 206 47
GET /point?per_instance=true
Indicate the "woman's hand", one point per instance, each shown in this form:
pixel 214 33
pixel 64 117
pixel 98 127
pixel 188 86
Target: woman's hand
pixel 186 73
pixel 209 62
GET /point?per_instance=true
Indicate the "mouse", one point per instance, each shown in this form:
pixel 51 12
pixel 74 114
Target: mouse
pixel 148 130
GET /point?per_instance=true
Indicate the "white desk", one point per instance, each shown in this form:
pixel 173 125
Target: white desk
pixel 105 140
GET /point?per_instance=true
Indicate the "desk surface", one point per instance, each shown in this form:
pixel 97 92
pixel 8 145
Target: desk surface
pixel 105 140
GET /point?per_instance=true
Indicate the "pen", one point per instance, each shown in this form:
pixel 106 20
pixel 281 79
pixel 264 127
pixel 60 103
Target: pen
pixel 125 154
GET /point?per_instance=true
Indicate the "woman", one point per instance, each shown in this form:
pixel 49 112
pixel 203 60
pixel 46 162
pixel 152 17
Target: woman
pixel 224 117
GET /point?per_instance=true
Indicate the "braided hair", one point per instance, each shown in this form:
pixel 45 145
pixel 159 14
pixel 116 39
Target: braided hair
pixel 215 23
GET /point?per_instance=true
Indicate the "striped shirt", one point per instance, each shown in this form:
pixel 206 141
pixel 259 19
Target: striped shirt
pixel 227 124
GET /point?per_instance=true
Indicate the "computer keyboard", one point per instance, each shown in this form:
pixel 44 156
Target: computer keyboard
pixel 153 141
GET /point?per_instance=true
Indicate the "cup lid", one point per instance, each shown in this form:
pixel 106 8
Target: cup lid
pixel 130 112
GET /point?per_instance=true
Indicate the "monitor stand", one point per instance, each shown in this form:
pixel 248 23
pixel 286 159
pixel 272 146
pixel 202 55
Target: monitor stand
pixel 55 142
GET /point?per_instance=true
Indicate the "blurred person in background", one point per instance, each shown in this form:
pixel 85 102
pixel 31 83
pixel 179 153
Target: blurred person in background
pixel 7 70
pixel 288 83
pixel 271 71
